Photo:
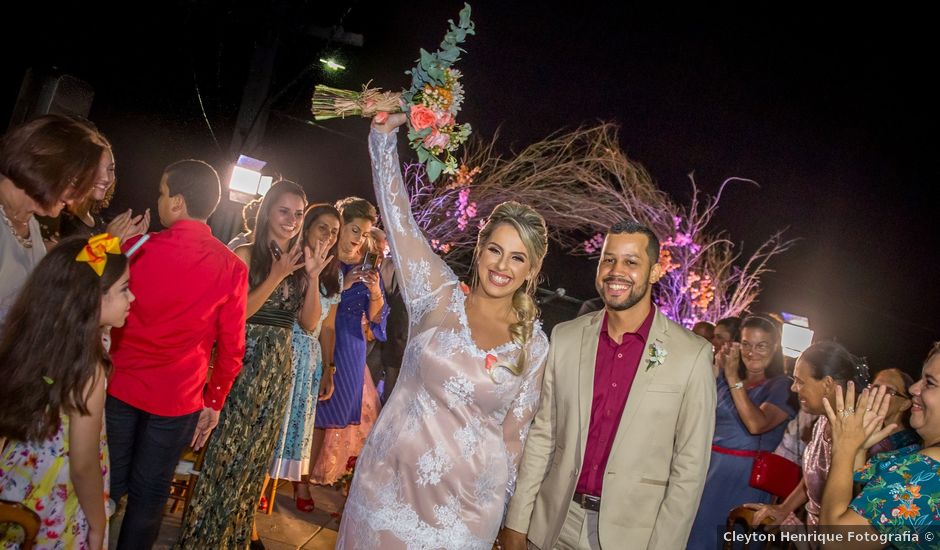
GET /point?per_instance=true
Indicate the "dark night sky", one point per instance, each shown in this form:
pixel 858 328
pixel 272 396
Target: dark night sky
pixel 833 114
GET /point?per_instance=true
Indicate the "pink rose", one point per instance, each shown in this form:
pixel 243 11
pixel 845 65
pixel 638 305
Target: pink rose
pixel 445 119
pixel 436 139
pixel 422 117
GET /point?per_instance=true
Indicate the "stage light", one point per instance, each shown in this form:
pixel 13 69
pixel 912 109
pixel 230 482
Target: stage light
pixel 332 65
pixel 797 335
pixel 246 181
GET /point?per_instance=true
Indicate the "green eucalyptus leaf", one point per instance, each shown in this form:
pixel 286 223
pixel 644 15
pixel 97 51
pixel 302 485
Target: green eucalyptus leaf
pixel 465 16
pixel 434 168
pixel 423 154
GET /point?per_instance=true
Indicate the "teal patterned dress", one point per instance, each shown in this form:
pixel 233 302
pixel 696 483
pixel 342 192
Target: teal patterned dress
pixel 224 500
pixel 901 496
pixel 292 454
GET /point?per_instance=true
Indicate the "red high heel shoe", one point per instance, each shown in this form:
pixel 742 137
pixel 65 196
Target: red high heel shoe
pixel 263 504
pixel 304 504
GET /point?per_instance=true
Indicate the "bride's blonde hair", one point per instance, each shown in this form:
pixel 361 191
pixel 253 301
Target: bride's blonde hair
pixel 534 235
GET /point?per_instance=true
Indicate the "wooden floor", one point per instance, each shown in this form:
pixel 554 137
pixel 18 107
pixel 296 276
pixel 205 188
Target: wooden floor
pixel 286 528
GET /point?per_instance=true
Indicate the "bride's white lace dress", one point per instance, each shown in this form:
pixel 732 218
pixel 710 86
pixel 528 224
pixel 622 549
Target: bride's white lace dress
pixel 440 463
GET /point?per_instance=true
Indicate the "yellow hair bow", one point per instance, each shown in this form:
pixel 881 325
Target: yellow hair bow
pixel 95 253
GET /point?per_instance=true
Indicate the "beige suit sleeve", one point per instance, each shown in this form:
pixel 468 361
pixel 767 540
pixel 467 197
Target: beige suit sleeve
pixel 538 453
pixel 691 454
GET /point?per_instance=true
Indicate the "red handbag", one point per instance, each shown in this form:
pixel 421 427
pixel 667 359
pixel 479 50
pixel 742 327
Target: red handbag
pixel 775 474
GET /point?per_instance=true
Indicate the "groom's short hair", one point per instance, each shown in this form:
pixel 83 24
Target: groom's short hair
pixel 632 227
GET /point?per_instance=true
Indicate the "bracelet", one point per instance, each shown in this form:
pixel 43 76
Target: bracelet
pixel 375 299
pixel 737 385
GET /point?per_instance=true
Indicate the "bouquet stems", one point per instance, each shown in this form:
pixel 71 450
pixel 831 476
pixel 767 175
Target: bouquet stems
pixel 333 102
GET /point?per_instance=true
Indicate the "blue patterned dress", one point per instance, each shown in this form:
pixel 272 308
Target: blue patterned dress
pixel 345 406
pixel 292 454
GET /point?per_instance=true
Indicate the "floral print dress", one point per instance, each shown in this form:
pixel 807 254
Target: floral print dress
pixel 441 461
pixel 901 495
pixel 37 475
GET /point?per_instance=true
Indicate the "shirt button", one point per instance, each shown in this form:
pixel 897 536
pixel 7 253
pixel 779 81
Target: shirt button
pixel 594 467
pixel 619 355
pixel 213 400
pixel 614 384
pixel 218 387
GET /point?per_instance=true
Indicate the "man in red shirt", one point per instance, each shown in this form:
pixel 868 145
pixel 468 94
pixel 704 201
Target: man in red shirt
pixel 618 451
pixel 191 295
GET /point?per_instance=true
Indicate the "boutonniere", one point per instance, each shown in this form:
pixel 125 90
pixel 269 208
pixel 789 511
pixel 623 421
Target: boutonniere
pixel 657 355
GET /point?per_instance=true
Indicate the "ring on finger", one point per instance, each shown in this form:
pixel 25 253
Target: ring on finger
pixel 845 414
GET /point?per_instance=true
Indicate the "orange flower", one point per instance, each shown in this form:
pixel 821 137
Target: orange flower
pixel 914 490
pixel 421 117
pixel 906 511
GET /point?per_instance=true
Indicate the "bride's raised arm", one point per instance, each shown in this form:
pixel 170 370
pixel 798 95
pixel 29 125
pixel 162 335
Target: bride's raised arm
pixel 421 271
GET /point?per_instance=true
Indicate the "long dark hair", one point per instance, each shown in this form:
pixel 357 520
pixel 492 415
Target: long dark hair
pixel 261 257
pixel 51 345
pixel 775 368
pixel 330 275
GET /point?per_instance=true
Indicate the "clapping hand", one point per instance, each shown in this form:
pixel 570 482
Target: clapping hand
pixel 728 359
pixel 858 424
pixel 125 226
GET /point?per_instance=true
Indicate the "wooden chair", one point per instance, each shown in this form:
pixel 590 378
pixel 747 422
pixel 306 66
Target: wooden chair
pixel 17 514
pixel 744 517
pixel 184 479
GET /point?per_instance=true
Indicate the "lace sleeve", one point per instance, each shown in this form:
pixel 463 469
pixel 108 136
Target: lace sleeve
pixel 422 272
pixel 523 408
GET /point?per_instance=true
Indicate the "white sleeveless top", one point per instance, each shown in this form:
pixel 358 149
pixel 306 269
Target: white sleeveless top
pixel 16 263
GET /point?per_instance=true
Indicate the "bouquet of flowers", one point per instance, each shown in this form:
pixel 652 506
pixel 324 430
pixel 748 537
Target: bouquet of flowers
pixel 431 104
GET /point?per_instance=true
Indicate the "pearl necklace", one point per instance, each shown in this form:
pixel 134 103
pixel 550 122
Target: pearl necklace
pixel 25 242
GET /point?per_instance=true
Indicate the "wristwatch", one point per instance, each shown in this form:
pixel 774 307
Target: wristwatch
pixel 737 385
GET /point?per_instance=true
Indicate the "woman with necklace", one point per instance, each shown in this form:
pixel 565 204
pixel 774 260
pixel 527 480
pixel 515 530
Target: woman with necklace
pixel 751 416
pixel 44 164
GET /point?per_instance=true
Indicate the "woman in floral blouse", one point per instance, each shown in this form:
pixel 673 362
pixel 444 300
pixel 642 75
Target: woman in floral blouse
pixel 899 500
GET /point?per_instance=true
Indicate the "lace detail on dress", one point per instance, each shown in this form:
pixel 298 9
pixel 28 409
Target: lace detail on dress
pixel 468 438
pixel 459 391
pixel 418 284
pixel 432 465
pixel 486 487
pixel 527 400
pixel 394 514
pixel 451 341
pixel 421 408
pixel 511 460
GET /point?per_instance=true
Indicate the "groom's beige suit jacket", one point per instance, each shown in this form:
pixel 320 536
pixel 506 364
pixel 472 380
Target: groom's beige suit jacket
pixel 657 465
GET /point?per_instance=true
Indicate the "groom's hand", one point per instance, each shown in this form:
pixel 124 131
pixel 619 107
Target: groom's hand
pixel 511 540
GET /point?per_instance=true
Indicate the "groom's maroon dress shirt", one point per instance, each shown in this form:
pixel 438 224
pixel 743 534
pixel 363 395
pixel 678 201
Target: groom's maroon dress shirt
pixel 614 369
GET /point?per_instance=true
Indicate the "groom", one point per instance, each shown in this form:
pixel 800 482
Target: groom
pixel 618 451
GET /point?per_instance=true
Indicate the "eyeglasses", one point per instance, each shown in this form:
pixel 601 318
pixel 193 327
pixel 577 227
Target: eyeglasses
pixel 761 348
pixel 889 390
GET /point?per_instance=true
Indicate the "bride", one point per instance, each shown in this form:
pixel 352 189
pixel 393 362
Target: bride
pixel 440 463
